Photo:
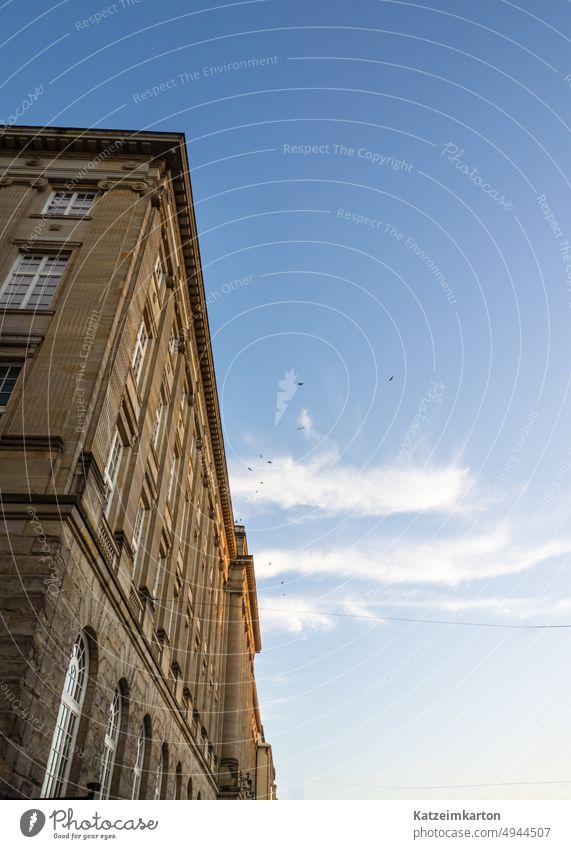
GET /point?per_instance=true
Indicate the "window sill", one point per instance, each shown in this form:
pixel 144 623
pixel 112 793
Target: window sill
pixel 16 311
pixel 61 217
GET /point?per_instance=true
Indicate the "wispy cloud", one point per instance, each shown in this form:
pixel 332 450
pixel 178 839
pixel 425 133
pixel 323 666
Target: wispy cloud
pixel 449 561
pixel 297 616
pixel 304 616
pixel 305 422
pixel 333 487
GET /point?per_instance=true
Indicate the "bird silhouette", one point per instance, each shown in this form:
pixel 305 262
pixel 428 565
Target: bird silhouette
pixel 390 378
pixel 300 382
pixel 301 428
pixel 269 461
pixel 250 469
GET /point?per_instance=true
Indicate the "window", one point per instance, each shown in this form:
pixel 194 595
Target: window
pixel 67 723
pixel 178 781
pixel 33 280
pixel 183 406
pixel 160 774
pixel 161 566
pixel 112 467
pixel 138 532
pixel 173 615
pixel 158 422
pixel 139 351
pixel 139 762
pixel 159 273
pixel 172 475
pixel 8 377
pixel 110 744
pixel 69 203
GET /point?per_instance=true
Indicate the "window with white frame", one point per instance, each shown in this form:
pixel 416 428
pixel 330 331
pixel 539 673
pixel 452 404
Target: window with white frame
pixel 172 475
pixel 159 413
pixel 183 406
pixel 67 723
pixel 110 744
pixel 69 203
pixel 9 373
pixel 139 762
pixel 183 522
pixel 159 273
pixel 139 532
pixel 33 280
pixel 139 351
pixel 173 342
pixel 161 568
pixel 112 467
pixel 159 774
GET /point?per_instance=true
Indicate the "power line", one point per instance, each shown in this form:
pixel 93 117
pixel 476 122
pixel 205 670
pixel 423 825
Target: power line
pixel 416 621
pixel 426 786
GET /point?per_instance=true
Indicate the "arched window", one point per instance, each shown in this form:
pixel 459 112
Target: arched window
pixel 110 744
pixel 198 796
pixel 67 723
pixel 178 781
pixel 139 761
pixel 162 772
pixel 189 789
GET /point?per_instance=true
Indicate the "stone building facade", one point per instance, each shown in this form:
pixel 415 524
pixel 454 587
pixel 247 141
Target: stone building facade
pixel 129 621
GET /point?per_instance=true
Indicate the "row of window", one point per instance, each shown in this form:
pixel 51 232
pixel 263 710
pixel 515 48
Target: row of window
pixel 31 284
pixel 66 730
pixel 34 277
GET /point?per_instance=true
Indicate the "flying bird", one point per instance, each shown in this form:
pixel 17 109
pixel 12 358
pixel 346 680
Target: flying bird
pixel 269 461
pixel 250 469
pixel 300 382
pixel 301 428
pixel 390 378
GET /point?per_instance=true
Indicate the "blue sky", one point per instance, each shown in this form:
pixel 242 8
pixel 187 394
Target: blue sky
pixel 383 193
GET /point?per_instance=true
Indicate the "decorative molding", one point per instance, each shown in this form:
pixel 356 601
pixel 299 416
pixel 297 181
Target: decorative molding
pixel 26 245
pixel 39 183
pixel 157 198
pixel 138 186
pixel 32 443
pixel 30 180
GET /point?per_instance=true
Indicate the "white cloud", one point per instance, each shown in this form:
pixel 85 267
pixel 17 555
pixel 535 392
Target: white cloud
pixel 304 616
pixel 449 561
pixel 295 616
pixel 326 484
pixel 305 421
